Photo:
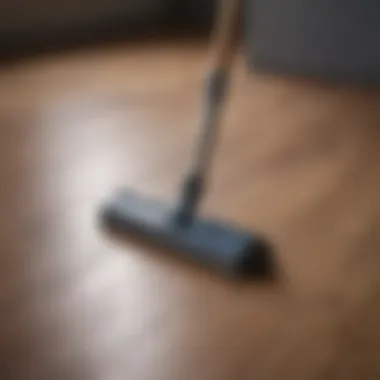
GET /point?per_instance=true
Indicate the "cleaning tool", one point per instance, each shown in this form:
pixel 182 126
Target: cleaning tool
pixel 214 244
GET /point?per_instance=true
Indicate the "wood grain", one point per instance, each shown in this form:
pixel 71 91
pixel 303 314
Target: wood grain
pixel 297 161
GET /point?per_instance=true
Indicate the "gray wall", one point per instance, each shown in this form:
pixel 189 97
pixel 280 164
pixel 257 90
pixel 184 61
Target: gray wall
pixel 332 39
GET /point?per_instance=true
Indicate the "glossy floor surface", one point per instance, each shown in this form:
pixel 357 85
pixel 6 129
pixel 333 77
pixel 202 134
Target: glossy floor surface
pixel 297 161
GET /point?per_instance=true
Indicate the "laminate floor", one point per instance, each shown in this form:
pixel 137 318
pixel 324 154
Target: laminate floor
pixel 297 161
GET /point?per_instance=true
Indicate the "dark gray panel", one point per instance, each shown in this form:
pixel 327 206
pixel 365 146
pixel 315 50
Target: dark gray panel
pixel 335 39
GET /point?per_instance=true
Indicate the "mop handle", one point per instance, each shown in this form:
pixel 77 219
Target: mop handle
pixel 224 34
pixel 224 44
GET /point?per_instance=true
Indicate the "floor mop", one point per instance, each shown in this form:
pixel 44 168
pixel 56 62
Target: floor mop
pixel 179 227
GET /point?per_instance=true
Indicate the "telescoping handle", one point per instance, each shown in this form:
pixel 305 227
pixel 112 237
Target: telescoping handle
pixel 222 53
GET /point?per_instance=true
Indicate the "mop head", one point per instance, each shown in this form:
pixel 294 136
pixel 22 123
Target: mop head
pixel 210 243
